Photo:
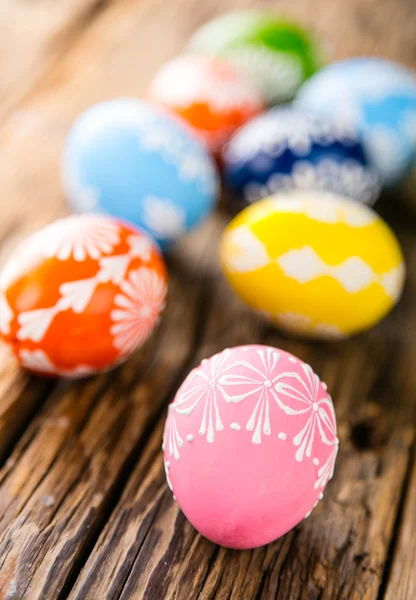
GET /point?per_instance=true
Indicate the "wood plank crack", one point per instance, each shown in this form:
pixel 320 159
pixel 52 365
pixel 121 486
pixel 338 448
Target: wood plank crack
pixel 399 523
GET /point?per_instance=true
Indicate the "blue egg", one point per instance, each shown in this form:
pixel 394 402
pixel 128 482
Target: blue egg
pixel 376 96
pixel 128 159
pixel 286 149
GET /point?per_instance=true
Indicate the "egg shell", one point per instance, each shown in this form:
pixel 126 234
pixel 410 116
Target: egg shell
pixel 249 445
pixel 135 162
pixel 277 54
pixel 376 96
pixel 81 295
pixel 209 93
pixel 316 264
pixel 286 149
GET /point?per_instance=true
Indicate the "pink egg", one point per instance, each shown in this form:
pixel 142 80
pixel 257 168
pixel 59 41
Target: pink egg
pixel 250 444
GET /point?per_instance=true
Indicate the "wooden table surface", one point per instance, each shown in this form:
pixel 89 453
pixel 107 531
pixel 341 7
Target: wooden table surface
pixel 84 509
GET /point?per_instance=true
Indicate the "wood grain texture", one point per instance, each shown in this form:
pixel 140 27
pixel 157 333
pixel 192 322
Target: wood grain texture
pixel 68 528
pixel 34 35
pixel 402 583
pixel 20 396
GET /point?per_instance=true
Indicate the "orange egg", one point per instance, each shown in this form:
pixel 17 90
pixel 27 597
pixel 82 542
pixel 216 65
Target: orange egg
pixel 81 295
pixel 210 94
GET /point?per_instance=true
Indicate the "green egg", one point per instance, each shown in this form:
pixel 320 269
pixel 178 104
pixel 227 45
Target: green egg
pixel 277 54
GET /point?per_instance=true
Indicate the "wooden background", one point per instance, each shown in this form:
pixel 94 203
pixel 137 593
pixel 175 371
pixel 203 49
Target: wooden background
pixel 84 509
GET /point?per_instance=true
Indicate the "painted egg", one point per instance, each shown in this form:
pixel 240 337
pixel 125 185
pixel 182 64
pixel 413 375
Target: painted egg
pixel 250 439
pixel 376 96
pixel 277 54
pixel 210 94
pixel 128 159
pixel 286 149
pixel 316 264
pixel 81 295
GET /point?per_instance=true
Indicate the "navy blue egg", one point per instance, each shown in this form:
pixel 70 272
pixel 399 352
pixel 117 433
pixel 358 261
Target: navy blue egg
pixel 128 159
pixel 286 149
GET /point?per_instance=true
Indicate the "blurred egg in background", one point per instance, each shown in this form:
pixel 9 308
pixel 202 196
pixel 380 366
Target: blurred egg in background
pixel 286 149
pixel 126 158
pixel 376 96
pixel 277 54
pixel 316 264
pixel 209 93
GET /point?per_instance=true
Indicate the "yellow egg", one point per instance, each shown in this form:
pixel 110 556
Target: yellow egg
pixel 317 264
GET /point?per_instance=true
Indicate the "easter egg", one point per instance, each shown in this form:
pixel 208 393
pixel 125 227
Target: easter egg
pixel 81 295
pixel 277 54
pixel 376 96
pixel 249 445
pixel 210 94
pixel 286 149
pixel 128 159
pixel 316 264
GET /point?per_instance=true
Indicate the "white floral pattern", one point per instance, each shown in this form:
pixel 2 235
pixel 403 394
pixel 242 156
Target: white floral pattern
pixel 35 323
pixel 113 268
pixel 167 467
pixel 80 237
pixel 305 400
pixel 171 438
pixel 193 164
pixel 326 472
pixel 140 246
pixel 136 313
pixel 135 310
pixel 38 362
pixel 275 391
pixel 283 129
pixel 278 74
pixel 349 178
pixel 191 79
pixel 76 295
pixel 257 382
pixel 138 308
pixel 207 389
pixel 242 251
pixel 163 218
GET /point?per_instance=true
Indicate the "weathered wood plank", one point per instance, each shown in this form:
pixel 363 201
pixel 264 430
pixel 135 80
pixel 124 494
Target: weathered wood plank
pixel 34 35
pixel 402 582
pixel 340 551
pixel 20 395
